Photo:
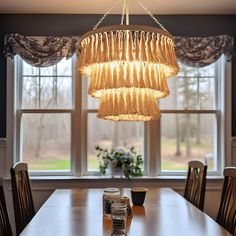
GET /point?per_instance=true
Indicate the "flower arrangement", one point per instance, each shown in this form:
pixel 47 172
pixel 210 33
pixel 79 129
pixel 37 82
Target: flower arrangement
pixel 128 161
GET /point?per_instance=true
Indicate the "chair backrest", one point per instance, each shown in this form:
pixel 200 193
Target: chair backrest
pixel 195 187
pixel 5 227
pixel 22 196
pixel 227 211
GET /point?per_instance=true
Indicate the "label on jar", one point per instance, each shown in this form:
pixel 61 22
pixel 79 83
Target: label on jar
pixel 118 223
pixel 107 206
pixel 127 202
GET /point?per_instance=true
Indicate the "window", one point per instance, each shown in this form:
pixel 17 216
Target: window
pixel 191 126
pixel 191 119
pixel 44 115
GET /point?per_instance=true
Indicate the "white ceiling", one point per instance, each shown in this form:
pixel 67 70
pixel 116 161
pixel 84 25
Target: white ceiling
pixel 100 6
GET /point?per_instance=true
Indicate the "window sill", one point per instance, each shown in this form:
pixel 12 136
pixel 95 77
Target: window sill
pixel 117 178
pixel 50 183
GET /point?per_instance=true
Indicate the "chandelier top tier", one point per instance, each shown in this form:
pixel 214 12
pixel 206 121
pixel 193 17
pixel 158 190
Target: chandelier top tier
pixel 110 28
pixel 148 49
pixel 128 66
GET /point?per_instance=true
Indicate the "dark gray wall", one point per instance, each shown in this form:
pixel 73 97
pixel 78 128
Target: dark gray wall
pixel 67 25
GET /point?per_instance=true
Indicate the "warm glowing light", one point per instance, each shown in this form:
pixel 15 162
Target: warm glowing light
pixel 128 67
pixel 128 104
pixel 116 75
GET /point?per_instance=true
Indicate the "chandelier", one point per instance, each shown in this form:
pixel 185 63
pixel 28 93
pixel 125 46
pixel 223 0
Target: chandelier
pixel 128 66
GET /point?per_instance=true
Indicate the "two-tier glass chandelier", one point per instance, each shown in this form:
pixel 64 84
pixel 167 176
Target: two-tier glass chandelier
pixel 128 66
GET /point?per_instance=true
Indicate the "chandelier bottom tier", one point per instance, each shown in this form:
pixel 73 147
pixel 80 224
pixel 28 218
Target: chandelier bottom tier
pixel 131 104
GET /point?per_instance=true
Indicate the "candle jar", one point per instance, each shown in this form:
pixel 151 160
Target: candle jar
pixel 126 201
pixel 110 195
pixel 119 218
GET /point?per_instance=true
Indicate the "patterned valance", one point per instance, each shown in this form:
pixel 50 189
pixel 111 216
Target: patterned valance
pixel 40 51
pixel 47 51
pixel 202 51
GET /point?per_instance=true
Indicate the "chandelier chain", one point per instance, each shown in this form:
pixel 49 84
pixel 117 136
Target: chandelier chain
pixel 123 14
pixel 104 16
pixel 152 16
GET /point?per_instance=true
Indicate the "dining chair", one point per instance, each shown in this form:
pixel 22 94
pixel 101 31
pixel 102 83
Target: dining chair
pixel 226 216
pixel 5 226
pixel 195 186
pixel 22 196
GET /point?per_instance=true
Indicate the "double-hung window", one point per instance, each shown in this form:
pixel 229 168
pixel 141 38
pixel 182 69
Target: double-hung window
pixel 191 123
pixel 44 111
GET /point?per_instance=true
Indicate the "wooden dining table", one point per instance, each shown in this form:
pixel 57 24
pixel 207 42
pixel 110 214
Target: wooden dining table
pixel 78 212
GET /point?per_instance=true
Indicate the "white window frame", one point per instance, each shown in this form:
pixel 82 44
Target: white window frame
pixel 151 129
pixel 222 141
pixel 16 87
pixel 222 111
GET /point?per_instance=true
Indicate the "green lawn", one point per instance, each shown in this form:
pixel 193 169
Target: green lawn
pixel 170 144
pixel 168 162
pixel 50 165
pixel 172 166
pixel 65 165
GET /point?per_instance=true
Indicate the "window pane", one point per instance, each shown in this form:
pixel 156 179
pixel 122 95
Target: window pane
pixel 46 141
pixel 106 134
pixel 88 101
pixel 186 137
pixel 92 103
pixel 193 88
pixel 48 90
pixel 197 71
pixel 28 70
pixel 56 92
pixel 64 92
pixel 30 93
pixel 47 71
pixel 64 67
